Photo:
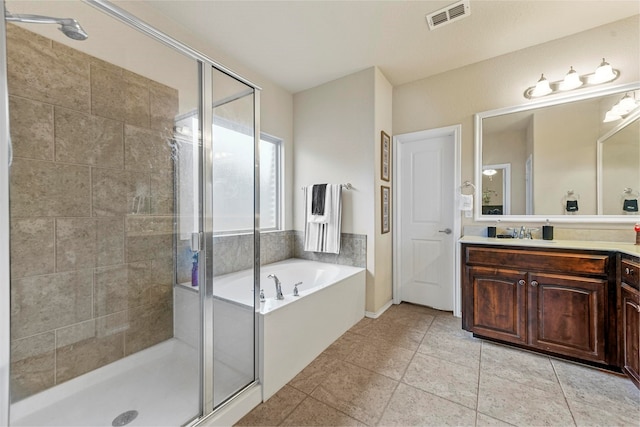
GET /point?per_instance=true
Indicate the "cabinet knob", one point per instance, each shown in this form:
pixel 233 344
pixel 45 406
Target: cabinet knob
pixel 628 271
pixel 534 283
pixel 521 282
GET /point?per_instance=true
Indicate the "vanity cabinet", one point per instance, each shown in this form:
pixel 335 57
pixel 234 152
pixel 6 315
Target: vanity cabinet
pixel 630 318
pixel 557 301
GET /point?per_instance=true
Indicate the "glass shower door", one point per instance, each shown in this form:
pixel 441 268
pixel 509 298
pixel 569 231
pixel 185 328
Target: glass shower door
pixel 234 224
pixel 104 197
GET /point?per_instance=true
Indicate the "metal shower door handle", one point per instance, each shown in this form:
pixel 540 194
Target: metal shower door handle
pixel 445 231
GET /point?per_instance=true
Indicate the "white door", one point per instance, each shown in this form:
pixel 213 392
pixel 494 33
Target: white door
pixel 425 245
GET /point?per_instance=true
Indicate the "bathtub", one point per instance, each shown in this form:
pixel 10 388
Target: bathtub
pixel 294 331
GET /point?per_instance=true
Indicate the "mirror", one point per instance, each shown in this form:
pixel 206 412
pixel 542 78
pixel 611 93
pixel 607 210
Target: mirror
pixel 619 168
pixel 552 150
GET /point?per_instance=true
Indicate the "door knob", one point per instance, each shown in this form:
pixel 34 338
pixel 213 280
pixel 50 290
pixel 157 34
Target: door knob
pixel 521 282
pixel 445 231
pixel 534 283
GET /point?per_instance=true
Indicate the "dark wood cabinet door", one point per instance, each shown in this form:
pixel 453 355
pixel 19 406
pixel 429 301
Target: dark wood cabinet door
pixel 630 306
pixel 498 303
pixel 567 315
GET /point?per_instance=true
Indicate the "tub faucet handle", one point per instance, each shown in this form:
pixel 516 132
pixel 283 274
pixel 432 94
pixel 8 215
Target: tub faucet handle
pixel 295 289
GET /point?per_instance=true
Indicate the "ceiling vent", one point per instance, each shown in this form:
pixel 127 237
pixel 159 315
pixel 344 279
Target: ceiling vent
pixel 448 14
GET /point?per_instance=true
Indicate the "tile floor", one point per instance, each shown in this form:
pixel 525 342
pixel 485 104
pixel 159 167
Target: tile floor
pixel 416 366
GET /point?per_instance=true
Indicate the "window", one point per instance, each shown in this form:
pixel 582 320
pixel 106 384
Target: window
pixel 233 195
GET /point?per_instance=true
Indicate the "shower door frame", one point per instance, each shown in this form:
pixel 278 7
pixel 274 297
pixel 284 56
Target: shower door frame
pixel 206 66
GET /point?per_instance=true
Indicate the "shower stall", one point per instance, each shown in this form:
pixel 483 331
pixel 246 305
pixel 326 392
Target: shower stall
pixel 128 163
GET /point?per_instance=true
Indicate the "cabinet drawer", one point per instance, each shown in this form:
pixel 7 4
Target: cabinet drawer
pixel 538 260
pixel 630 272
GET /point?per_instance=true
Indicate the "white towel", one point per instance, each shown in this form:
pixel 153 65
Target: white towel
pixel 324 236
pixel 465 202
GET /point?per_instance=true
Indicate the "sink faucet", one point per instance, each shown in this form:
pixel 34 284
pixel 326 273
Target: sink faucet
pixel 278 286
pixel 523 232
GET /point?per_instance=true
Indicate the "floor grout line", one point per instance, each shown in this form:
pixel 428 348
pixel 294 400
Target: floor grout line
pixel 564 394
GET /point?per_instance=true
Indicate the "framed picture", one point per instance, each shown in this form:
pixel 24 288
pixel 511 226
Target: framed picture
pixel 385 158
pixel 385 199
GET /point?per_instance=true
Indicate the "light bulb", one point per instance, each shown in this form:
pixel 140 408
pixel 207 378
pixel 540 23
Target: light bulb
pixel 571 80
pixel 626 104
pixel 604 73
pixel 542 87
pixel 611 116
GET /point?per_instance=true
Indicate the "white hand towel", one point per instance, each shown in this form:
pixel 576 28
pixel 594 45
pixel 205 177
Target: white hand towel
pixel 465 202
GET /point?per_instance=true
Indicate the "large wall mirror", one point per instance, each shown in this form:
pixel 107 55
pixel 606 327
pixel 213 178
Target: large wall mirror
pixel 564 162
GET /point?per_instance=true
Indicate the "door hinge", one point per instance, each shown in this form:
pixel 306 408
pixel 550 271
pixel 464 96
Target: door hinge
pixel 196 239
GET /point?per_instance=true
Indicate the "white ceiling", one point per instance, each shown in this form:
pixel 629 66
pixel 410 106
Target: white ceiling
pixel 301 44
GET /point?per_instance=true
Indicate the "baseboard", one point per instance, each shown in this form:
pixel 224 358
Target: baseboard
pixel 375 315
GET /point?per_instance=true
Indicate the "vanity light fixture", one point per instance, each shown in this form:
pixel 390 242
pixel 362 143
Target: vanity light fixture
pixel 489 172
pixel 603 74
pixel 625 106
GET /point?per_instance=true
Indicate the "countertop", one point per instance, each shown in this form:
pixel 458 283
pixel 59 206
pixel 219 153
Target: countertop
pixel 627 248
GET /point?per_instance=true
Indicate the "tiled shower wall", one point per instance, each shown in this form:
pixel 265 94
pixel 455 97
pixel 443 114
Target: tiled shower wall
pixel 91 212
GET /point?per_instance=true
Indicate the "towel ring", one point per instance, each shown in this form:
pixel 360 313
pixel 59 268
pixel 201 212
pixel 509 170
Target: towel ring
pixel 466 185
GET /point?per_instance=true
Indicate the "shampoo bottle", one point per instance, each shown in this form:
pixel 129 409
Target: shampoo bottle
pixel 194 271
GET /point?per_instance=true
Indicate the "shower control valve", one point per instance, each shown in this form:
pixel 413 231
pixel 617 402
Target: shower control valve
pixel 262 298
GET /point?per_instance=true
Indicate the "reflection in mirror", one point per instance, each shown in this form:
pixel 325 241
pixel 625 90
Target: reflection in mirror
pixel 619 163
pixel 551 148
pixel 496 189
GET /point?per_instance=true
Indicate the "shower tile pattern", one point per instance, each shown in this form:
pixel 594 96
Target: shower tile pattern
pixel 91 212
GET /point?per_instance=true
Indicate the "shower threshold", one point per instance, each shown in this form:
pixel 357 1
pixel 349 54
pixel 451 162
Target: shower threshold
pixel 161 383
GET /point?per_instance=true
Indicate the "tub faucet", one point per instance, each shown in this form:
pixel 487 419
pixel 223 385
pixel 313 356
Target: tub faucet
pixel 278 286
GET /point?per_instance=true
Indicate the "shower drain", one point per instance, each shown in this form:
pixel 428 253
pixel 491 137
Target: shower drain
pixel 124 418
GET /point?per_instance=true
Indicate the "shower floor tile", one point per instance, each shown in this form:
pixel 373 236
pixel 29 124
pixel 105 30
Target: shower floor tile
pixel 162 385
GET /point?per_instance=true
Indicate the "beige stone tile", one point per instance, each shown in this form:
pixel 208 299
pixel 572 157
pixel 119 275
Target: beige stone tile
pixel 32 365
pixel 275 410
pixel 111 293
pixel 445 379
pixel 86 139
pixel 314 373
pixel 314 413
pixel 449 323
pixel 32 249
pixel 31 128
pixel 109 241
pixel 410 406
pixel 381 357
pixel 358 392
pixel 588 415
pixel 454 348
pixel 518 404
pixel 344 346
pixel 397 334
pixel 116 192
pixel 148 247
pixel 415 318
pixel 162 193
pixel 142 289
pixel 521 366
pixel 162 272
pixel 163 107
pixel 108 91
pixel 43 303
pixel 139 224
pixel 39 72
pixel 485 420
pixel 47 189
pixel 603 392
pixel 81 348
pixel 146 150
pixel 137 100
pixel 75 243
pixel 148 325
pixel 363 327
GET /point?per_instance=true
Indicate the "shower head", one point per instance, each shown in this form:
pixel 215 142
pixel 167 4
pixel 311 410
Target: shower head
pixel 70 27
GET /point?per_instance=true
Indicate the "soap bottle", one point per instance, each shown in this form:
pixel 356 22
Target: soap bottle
pixel 194 270
pixel 637 230
pixel 547 231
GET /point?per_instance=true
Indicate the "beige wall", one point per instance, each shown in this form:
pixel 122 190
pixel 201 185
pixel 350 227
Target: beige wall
pixel 337 140
pixel 455 96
